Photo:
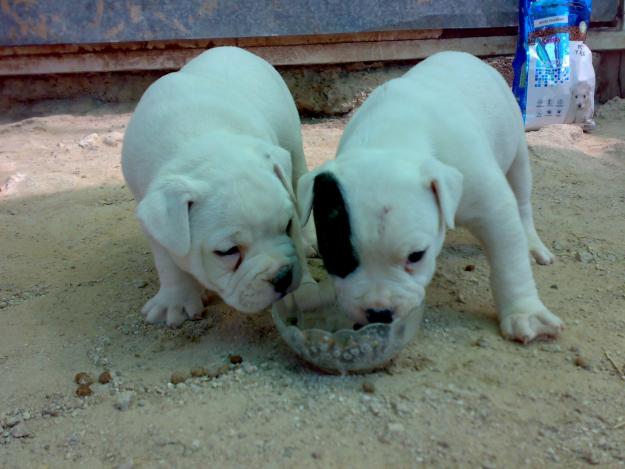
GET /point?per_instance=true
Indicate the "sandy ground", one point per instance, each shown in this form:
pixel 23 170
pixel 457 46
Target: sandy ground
pixel 75 270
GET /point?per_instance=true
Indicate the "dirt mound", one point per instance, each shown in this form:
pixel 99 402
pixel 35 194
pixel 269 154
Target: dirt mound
pixel 562 135
pixel 612 110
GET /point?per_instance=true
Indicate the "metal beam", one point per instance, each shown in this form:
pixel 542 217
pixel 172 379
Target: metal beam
pixel 121 60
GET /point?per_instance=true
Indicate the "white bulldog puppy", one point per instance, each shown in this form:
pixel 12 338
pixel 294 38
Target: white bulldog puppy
pixel 440 146
pixel 210 155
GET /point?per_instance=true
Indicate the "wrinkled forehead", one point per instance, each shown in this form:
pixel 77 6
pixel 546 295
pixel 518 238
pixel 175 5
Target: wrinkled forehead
pixel 255 193
pixel 249 205
pixel 387 220
pixel 392 198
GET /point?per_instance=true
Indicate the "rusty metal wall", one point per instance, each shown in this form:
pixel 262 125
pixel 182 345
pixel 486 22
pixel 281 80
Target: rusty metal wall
pixel 49 22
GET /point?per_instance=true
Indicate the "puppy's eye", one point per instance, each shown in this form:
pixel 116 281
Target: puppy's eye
pixel 576 96
pixel 415 256
pixel 288 226
pixel 229 252
pixel 584 96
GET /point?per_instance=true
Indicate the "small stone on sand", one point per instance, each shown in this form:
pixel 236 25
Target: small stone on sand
pixel 123 401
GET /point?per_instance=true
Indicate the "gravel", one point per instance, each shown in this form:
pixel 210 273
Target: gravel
pixel 124 400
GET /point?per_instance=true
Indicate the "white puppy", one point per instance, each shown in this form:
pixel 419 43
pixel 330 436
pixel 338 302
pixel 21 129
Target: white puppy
pixel 582 103
pixel 210 155
pixel 444 144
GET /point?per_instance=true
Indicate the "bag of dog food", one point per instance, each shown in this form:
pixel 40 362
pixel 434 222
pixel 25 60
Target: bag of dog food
pixel 554 80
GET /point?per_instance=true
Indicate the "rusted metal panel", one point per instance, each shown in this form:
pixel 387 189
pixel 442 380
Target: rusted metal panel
pixel 39 22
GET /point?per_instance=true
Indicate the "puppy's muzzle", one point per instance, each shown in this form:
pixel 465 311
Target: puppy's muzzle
pixel 283 279
pixel 384 316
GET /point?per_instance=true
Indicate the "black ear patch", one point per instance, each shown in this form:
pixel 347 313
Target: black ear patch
pixel 334 232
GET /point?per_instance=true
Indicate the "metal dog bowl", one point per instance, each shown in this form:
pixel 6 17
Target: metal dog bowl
pixel 326 338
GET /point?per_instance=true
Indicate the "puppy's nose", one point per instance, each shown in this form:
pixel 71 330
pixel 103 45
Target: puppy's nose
pixel 384 316
pixel 579 106
pixel 282 281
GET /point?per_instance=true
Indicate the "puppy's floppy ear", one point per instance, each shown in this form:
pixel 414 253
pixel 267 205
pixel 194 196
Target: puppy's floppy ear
pixel 164 215
pixel 282 166
pixel 305 190
pixel 446 183
pixel 332 222
pixel 286 182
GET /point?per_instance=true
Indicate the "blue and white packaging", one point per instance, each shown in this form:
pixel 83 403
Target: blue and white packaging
pixel 554 80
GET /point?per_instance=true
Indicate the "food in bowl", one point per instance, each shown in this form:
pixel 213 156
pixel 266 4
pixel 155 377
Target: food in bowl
pixel 325 337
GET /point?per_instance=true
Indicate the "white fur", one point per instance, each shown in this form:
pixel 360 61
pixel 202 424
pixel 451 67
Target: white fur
pixel 443 144
pixel 582 103
pixel 222 134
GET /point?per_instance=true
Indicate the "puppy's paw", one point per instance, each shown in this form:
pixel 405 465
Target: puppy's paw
pixel 310 240
pixel 540 253
pixel 527 324
pixel 311 295
pixel 310 250
pixel 173 306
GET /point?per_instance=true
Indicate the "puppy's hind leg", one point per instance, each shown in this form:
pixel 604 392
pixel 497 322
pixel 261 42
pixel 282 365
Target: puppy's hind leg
pixel 179 297
pixel 522 314
pixel 520 178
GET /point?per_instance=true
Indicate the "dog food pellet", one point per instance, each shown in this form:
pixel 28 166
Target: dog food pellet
pixel 198 372
pixel 83 390
pixel 368 387
pixel 178 377
pixel 83 378
pixel 236 359
pixel 470 268
pixel 582 362
pixel 104 378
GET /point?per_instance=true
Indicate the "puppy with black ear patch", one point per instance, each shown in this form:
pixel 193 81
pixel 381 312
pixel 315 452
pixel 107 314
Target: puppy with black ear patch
pixel 211 154
pixel 440 146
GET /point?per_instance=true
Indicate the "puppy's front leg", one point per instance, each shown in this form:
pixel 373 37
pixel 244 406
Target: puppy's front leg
pixel 179 297
pixel 309 294
pixel 522 314
pixel 309 234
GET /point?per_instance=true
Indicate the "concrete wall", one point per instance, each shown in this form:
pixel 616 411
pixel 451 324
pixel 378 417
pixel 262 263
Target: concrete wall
pixel 318 90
